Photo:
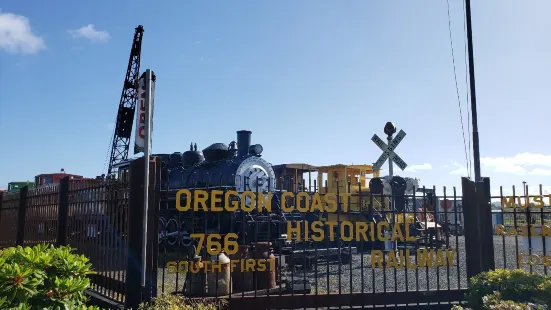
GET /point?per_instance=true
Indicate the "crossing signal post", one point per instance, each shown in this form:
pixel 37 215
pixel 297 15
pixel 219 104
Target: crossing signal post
pixel 397 183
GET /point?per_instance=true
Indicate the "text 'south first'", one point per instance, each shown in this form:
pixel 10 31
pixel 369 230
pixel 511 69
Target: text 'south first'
pixel 401 259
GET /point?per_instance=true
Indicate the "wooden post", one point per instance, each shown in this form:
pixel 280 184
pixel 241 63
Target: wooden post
pixel 473 253
pixel 484 208
pixel 135 293
pixel 63 212
pixel 20 237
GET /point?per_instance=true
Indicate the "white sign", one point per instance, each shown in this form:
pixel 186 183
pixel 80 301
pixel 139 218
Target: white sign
pixel 139 140
pixel 388 151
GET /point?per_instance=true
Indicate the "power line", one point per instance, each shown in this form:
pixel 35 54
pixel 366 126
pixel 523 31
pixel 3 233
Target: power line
pixel 457 91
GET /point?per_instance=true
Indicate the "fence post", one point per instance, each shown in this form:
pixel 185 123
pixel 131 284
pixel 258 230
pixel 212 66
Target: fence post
pixel 472 244
pixel 479 240
pixel 63 212
pixel 135 293
pixel 1 199
pixel 20 236
pixel 484 208
pixel 153 229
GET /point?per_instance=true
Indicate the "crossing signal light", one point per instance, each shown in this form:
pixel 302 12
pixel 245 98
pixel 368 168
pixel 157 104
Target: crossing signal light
pixel 376 186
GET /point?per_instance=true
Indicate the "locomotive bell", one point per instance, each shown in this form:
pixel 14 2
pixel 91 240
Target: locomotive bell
pixel 256 149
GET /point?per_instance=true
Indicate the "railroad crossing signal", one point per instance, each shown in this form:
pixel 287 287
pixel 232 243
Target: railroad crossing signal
pixel 388 151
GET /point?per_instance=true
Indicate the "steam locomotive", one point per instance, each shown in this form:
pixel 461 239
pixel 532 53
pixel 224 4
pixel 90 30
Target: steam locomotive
pixel 237 166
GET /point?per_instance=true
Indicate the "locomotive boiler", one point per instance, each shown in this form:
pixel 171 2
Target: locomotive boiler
pixel 237 166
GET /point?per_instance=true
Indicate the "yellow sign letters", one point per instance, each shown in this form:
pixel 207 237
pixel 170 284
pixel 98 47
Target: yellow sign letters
pixel 534 259
pixel 244 265
pixel 358 231
pixel 425 258
pixel 511 231
pixel 197 201
pixel 536 201
pixel 218 201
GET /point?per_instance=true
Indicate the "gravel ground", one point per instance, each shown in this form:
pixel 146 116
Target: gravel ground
pixel 382 280
pixel 379 280
pixel 327 277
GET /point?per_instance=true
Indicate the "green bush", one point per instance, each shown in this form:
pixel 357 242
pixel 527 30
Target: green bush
pixel 501 289
pixel 43 277
pixel 175 302
pixel 495 302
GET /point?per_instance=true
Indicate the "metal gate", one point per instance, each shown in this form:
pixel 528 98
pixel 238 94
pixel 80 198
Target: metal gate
pixel 315 248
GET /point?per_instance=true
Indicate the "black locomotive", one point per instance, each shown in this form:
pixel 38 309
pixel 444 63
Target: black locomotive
pixel 237 166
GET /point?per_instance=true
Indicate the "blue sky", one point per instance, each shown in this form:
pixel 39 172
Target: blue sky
pixel 313 81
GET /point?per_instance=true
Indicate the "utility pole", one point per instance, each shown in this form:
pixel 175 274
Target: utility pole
pixel 476 146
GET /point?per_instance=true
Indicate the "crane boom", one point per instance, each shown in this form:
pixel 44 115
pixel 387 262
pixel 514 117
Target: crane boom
pixel 127 105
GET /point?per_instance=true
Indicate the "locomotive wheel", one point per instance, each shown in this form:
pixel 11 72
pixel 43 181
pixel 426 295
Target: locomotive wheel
pixel 162 230
pixel 173 232
pixel 186 240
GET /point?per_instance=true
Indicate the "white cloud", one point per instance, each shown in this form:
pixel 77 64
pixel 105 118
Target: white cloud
pixel 89 32
pixel 540 171
pixel 414 168
pixel 520 164
pixel 16 35
pixel 459 169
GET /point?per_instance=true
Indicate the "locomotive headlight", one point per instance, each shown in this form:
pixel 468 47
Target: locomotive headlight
pixel 255 174
pixel 255 149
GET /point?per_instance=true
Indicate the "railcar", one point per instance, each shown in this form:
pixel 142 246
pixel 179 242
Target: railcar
pixel 15 187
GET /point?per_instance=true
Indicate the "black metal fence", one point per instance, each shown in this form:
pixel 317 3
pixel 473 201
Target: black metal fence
pixel 347 247
pixel 275 249
pixel 522 230
pixel 90 216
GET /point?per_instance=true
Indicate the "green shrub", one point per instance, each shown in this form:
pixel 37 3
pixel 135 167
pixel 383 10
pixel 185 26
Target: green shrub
pixel 175 302
pixel 511 286
pixel 545 289
pixel 496 302
pixel 43 277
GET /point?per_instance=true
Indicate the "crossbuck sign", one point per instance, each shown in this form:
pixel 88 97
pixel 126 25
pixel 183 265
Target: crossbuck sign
pixel 388 151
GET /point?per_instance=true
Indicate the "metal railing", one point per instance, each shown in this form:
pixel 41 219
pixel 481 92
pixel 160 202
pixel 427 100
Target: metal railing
pixel 349 245
pixel 353 247
pixel 90 216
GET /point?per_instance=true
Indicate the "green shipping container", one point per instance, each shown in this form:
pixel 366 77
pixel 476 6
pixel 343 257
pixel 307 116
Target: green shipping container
pixel 15 187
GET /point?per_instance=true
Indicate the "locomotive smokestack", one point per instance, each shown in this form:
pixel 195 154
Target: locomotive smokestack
pixel 243 142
